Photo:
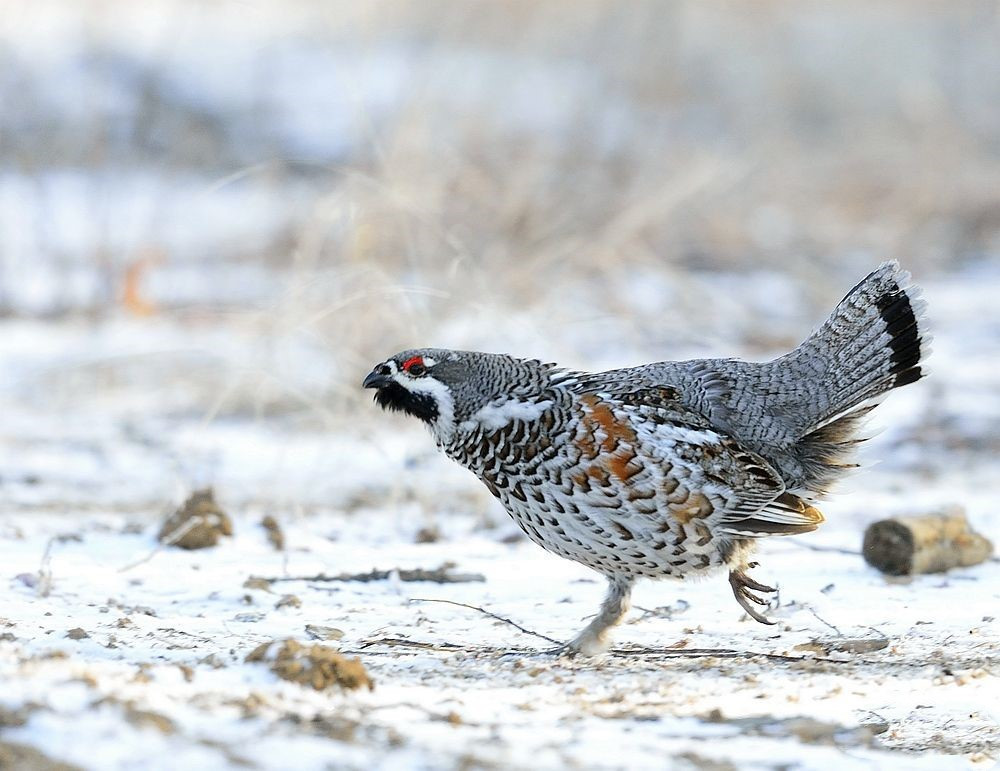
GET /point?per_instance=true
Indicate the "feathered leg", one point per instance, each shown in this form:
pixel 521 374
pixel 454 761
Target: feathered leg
pixel 593 639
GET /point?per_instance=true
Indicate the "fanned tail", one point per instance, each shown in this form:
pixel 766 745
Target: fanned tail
pixel 874 341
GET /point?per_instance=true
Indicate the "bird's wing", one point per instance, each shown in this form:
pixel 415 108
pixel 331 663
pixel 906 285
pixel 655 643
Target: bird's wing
pixel 746 491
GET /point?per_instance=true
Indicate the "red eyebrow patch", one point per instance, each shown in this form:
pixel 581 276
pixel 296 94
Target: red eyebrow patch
pixel 410 362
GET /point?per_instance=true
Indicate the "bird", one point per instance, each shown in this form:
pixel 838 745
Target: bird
pixel 673 469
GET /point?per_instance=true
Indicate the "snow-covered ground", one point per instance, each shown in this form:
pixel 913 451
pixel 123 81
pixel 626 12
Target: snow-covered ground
pixel 117 654
pixel 216 217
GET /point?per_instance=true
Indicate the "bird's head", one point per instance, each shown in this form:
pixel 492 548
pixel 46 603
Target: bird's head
pixel 420 382
pixel 446 388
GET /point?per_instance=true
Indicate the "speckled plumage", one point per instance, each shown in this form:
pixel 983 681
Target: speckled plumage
pixel 671 469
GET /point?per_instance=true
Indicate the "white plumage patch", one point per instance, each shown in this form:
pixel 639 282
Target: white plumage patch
pixel 444 425
pixel 493 416
pixel 695 436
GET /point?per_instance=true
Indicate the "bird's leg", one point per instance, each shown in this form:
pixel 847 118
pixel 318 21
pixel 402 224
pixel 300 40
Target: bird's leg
pixel 743 586
pixel 593 639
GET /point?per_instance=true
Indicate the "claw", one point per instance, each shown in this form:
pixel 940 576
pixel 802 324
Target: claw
pixel 566 649
pixel 742 586
pixel 751 584
pixel 754 598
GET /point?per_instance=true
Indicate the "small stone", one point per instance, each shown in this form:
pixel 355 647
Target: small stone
pixel 27 579
pixel 256 582
pixel 76 633
pixel 859 645
pixel 317 632
pixel 213 660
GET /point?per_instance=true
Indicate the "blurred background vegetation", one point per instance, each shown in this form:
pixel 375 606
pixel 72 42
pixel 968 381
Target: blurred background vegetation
pixel 585 179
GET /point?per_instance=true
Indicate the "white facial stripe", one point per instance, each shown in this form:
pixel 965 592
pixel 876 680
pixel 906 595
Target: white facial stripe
pixel 429 362
pixel 494 416
pixel 444 425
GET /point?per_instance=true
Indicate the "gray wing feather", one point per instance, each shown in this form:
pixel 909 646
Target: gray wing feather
pixel 748 489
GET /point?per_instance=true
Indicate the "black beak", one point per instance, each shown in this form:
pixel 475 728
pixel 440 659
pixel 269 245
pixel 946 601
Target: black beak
pixel 377 380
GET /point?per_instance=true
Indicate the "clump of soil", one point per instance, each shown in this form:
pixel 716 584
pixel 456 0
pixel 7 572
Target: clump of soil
pixel 275 535
pixel 16 717
pixel 22 756
pixel 429 534
pixel 318 666
pixel 197 524
pixel 140 718
pixel 288 601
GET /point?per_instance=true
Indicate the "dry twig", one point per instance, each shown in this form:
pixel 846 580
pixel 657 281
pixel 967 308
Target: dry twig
pixel 170 540
pixel 820 547
pixel 673 653
pixel 439 575
pixel 491 615
pixel 818 617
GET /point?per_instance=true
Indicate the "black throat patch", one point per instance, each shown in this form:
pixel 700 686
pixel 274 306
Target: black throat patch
pixel 397 399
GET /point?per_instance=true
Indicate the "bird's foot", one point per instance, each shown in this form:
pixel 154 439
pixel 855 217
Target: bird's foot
pixel 593 640
pixel 587 643
pixel 565 650
pixel 584 644
pixel 743 590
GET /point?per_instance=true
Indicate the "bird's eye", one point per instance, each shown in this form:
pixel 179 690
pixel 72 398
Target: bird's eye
pixel 414 366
